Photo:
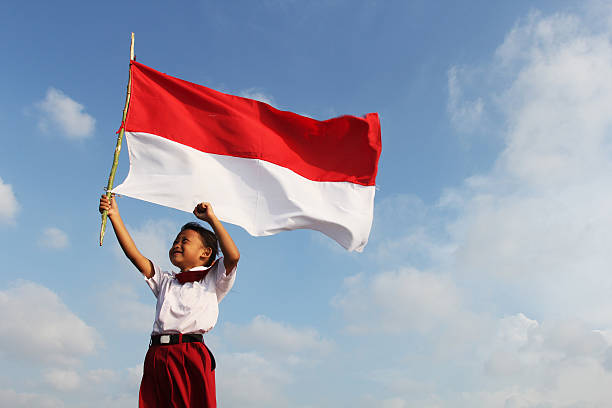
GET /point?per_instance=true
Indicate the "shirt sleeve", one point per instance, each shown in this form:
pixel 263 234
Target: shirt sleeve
pixel 223 282
pixel 155 282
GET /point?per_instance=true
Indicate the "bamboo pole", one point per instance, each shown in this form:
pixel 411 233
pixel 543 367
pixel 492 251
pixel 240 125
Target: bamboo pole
pixel 111 177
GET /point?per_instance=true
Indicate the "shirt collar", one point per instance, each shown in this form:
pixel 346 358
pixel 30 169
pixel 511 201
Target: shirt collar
pixel 197 268
pixel 200 268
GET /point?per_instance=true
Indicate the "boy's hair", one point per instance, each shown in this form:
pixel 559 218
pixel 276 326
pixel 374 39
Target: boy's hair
pixel 209 239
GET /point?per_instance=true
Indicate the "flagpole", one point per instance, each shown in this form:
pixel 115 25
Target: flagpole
pixel 111 177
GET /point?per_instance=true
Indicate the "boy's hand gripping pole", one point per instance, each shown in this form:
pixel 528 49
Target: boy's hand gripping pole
pixel 111 178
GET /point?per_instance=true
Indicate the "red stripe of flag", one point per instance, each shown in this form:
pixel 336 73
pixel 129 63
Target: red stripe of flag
pixel 346 148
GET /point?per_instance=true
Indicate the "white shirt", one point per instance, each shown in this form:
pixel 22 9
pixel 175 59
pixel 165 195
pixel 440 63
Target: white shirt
pixel 192 307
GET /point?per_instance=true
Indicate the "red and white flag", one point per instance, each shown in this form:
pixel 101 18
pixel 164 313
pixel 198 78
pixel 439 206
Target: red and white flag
pixel 263 169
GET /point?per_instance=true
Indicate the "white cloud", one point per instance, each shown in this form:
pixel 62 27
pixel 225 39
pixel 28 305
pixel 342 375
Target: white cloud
pixel 266 358
pixel 264 334
pixel 13 399
pixel 368 401
pixel 67 115
pixel 258 95
pixel 109 388
pixel 249 380
pixel 102 387
pixel 559 363
pixel 541 215
pixel 513 362
pixel 134 375
pixel 537 225
pixel 8 203
pixel 531 234
pixel 127 311
pixel 465 115
pixel 399 381
pixel 63 380
pixel 406 231
pixel 516 330
pixel 121 400
pixel 54 238
pixel 101 375
pixel 37 326
pixel 399 301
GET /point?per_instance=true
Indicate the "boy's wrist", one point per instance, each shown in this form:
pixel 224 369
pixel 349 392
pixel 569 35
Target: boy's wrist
pixel 209 219
pixel 212 220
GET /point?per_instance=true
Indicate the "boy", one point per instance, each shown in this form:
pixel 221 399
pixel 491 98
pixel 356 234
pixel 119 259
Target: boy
pixel 179 368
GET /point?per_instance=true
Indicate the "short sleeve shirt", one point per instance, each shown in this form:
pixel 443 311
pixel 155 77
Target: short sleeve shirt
pixel 192 307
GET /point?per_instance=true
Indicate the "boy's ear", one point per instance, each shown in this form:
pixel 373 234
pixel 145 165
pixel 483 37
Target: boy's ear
pixel 207 252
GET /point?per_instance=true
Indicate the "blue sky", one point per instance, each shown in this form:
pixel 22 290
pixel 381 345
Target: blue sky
pixel 486 281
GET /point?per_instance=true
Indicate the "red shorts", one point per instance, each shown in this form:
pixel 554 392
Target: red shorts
pixel 178 375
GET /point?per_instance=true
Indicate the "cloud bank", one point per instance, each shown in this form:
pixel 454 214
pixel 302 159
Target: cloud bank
pixel 54 238
pixel 506 286
pixel 66 115
pixel 8 203
pixel 42 329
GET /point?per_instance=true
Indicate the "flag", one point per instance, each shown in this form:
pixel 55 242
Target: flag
pixel 261 168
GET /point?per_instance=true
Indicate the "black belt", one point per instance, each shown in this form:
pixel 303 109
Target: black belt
pixel 175 338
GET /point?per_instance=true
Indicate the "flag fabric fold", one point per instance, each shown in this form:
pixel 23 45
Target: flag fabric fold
pixel 263 169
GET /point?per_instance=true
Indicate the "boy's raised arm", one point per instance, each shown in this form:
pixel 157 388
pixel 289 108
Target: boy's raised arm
pixel 142 263
pixel 231 255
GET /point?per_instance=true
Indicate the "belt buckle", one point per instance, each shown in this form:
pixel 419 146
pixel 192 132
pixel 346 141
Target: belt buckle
pixel 164 339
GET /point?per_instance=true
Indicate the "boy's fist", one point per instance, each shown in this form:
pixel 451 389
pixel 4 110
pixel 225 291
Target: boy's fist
pixel 204 212
pixel 109 205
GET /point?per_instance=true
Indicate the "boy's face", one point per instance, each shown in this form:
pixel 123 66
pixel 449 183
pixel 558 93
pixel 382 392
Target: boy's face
pixel 188 250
